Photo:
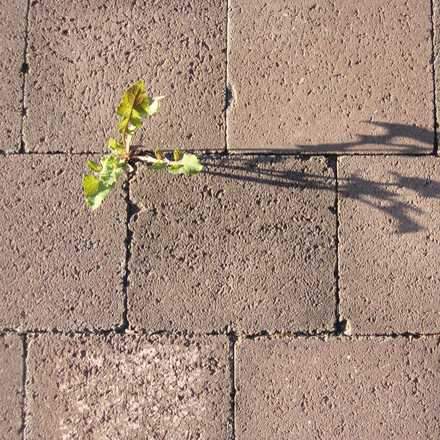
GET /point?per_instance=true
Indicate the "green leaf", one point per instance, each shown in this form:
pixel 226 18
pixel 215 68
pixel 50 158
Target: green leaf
pixel 90 185
pixel 93 166
pixel 158 154
pixel 159 165
pixel 189 165
pixel 134 106
pixel 154 106
pixel 116 147
pixel 97 186
pixel 177 154
pixel 175 168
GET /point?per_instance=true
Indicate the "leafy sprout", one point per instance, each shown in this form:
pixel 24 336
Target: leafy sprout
pixel 134 107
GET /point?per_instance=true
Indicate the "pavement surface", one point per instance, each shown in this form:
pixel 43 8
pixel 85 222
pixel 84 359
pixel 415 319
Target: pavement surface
pixel 291 290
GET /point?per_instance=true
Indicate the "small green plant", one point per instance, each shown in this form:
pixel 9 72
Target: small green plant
pixel 134 107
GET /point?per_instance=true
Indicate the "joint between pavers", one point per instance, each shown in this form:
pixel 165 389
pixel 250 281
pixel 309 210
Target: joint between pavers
pixel 24 390
pixel 264 334
pixel 339 324
pixel 24 72
pixel 233 338
pixel 48 153
pixel 124 326
pixel 434 77
pixel 228 88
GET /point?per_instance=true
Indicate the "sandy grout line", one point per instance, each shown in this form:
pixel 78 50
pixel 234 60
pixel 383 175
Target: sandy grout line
pixel 233 390
pixel 24 71
pixel 236 336
pixel 24 390
pixel 234 153
pixel 122 328
pixel 338 323
pixel 228 90
pixel 434 77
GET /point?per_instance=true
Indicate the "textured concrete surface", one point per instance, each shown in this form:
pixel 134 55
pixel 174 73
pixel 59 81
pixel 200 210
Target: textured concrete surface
pixel 249 243
pixel 389 243
pixel 311 389
pixel 331 76
pixel 275 246
pixel 126 387
pixel 61 266
pixel 83 57
pixel 11 371
pixel 12 31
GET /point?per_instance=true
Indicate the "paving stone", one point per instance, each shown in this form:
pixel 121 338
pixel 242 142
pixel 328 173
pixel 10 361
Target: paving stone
pixel 389 243
pixel 249 243
pixel 83 57
pixel 338 76
pixel 338 389
pixel 61 264
pixel 127 387
pixel 11 373
pixel 12 30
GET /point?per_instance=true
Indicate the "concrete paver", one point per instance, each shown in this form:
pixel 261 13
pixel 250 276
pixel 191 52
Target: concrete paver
pixel 12 31
pixel 338 389
pixel 389 239
pixel 11 372
pixel 61 265
pixel 338 76
pixel 127 387
pixel 84 56
pixel 249 243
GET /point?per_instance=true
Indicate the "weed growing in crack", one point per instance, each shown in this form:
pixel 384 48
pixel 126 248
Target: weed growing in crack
pixel 135 106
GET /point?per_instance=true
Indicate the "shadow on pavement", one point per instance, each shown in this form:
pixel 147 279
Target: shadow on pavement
pixel 405 139
pixel 383 196
pixel 394 138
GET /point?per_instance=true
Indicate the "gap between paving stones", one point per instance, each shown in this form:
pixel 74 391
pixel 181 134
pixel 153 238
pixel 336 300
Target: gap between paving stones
pixel 228 90
pixel 234 153
pixel 232 384
pixel 434 73
pixel 232 335
pixel 24 388
pixel 24 71
pixel 338 324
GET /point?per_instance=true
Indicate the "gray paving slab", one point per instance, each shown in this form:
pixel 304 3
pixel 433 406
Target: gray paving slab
pixel 338 76
pixel 338 389
pixel 12 31
pixel 127 387
pixel 248 244
pixel 389 241
pixel 11 387
pixel 62 265
pixel 84 56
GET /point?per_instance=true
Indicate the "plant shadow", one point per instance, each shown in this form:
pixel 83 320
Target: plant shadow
pixel 385 196
pixel 381 138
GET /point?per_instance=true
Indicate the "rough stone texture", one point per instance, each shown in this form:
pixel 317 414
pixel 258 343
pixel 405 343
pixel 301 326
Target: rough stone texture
pixel 389 243
pixel 248 243
pixel 127 387
pixel 344 389
pixel 10 387
pixel 331 76
pixel 84 56
pixel 61 265
pixel 12 31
